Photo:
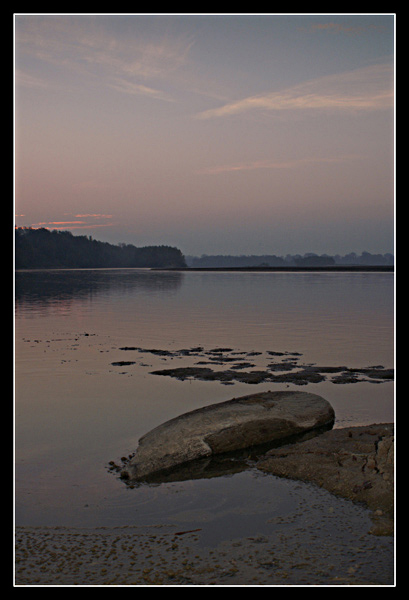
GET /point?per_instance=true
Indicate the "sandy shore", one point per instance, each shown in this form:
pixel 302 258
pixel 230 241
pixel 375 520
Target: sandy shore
pixel 156 556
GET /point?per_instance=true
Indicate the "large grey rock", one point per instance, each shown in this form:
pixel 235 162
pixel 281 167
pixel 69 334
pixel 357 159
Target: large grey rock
pixel 225 427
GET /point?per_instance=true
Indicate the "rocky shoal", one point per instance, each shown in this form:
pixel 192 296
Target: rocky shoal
pixel 356 463
pixel 281 367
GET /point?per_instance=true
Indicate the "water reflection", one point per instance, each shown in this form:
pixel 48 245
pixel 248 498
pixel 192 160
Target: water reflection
pixel 75 411
pixel 64 285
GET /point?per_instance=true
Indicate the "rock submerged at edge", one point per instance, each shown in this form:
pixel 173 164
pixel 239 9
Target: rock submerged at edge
pixel 356 463
pixel 225 427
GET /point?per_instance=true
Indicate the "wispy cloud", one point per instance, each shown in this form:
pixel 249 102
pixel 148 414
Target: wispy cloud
pixel 368 88
pixel 138 89
pixel 343 29
pixel 94 216
pixel 86 46
pixel 88 221
pixel 340 28
pixel 59 223
pixel 28 80
pixel 265 164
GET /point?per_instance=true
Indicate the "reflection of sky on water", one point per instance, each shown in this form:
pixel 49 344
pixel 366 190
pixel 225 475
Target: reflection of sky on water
pixel 64 285
pixel 310 292
pixel 340 315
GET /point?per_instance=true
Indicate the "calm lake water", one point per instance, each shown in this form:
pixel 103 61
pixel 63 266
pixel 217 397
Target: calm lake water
pixel 75 411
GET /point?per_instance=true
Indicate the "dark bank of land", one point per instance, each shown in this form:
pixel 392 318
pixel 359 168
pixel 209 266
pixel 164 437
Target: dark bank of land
pixel 329 268
pixel 44 249
pixel 365 259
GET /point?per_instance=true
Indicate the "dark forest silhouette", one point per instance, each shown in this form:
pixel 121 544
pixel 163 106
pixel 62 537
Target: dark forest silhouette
pixel 45 249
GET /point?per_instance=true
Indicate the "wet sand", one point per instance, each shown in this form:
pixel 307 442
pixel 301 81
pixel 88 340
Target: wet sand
pixel 157 556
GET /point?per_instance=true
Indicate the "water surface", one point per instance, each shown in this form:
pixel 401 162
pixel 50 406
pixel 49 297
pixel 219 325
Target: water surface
pixel 75 411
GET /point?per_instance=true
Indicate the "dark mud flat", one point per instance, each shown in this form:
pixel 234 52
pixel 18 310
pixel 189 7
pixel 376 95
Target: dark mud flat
pixel 307 374
pixel 291 269
pixel 281 367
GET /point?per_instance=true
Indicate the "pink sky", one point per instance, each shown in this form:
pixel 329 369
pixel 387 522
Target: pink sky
pixel 217 134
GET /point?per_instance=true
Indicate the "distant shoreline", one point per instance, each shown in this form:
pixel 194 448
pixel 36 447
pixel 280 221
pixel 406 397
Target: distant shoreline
pixel 332 268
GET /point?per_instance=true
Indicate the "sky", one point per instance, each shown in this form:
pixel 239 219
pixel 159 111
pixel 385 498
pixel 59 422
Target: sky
pixel 215 133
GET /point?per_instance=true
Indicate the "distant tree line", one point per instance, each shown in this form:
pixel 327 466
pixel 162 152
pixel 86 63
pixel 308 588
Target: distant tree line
pixel 45 249
pixel 296 260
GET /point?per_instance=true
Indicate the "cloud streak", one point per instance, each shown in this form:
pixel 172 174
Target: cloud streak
pixel 368 88
pixel 94 216
pixel 85 47
pixel 137 89
pixel 264 164
pixel 87 222
pixel 340 28
pixel 60 225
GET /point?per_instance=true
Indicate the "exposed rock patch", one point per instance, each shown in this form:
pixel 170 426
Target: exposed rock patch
pixel 307 374
pixel 280 367
pixel 356 463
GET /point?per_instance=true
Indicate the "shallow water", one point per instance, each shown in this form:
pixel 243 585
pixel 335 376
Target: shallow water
pixel 75 411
